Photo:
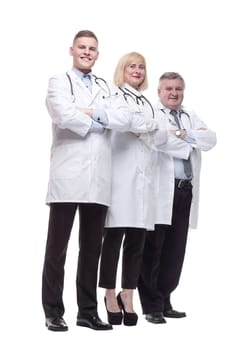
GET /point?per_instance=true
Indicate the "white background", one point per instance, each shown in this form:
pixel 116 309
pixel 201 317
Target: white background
pixel 193 37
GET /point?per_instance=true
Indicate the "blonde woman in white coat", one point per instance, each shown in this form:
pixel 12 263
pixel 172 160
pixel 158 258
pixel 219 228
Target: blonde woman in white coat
pixel 131 210
pixel 177 196
pixel 80 178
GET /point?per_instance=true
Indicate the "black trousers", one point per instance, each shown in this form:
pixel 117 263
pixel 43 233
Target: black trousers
pixel 133 244
pixel 163 256
pixel 91 220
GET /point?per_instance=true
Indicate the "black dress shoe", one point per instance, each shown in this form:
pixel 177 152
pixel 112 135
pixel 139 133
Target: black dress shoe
pixel 174 314
pixel 155 317
pixel 114 318
pixel 56 324
pixel 93 322
pixel 129 318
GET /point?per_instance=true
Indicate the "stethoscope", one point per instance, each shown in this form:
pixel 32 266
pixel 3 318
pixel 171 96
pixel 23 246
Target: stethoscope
pixel 180 113
pixel 104 86
pixel 139 99
pixel 99 81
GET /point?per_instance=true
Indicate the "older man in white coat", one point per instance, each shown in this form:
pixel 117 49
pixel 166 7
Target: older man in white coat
pixel 177 199
pixel 80 178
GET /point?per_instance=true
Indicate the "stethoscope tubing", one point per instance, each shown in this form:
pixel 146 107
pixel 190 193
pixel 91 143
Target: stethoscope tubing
pixel 97 79
pixel 126 92
pixel 180 117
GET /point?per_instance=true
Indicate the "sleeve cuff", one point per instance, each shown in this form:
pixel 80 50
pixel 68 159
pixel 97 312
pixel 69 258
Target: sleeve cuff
pixel 100 116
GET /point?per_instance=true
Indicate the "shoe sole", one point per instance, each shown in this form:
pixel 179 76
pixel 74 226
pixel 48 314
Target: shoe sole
pixel 56 329
pixel 175 316
pixel 130 323
pixel 83 323
pixel 115 323
pixel 156 322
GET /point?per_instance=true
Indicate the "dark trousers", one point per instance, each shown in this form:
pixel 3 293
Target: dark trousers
pixel 91 221
pixel 133 244
pixel 163 256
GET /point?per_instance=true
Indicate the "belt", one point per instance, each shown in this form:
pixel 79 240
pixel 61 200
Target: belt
pixel 181 183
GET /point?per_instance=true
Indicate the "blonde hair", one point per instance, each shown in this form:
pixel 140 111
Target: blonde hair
pixel 124 61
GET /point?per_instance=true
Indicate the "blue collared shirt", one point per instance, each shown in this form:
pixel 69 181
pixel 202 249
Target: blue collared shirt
pixel 178 163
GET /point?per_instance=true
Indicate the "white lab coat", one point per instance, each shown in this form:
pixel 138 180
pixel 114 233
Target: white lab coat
pixel 80 169
pixel 133 167
pixel 176 147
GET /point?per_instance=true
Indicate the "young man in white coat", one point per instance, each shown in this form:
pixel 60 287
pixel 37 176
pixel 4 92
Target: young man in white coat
pixel 80 178
pixel 177 199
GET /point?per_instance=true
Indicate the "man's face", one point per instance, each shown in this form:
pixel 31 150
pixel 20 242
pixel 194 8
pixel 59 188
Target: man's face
pixel 171 93
pixel 85 53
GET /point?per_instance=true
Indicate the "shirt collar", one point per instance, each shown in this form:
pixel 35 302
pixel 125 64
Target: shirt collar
pixel 167 110
pixel 79 74
pixel 131 89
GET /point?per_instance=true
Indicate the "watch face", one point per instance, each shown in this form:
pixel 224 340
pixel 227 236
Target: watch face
pixel 178 132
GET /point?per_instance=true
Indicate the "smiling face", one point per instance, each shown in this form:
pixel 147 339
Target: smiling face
pixel 171 92
pixel 134 74
pixel 85 53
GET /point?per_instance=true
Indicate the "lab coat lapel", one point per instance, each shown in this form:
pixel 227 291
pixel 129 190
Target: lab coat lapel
pixel 90 97
pixel 96 89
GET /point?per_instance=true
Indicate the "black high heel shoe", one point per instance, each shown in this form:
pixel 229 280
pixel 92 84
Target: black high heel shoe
pixel 129 318
pixel 114 318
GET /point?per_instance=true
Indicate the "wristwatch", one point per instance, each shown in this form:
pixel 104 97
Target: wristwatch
pixel 178 133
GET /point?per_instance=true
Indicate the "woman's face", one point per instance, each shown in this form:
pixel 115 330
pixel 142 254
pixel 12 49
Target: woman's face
pixel 134 74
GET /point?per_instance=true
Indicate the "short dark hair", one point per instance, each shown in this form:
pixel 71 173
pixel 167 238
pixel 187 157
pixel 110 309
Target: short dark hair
pixel 85 33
